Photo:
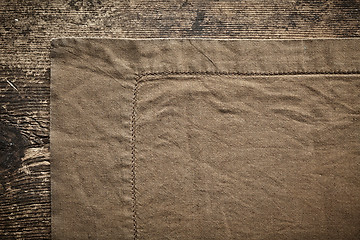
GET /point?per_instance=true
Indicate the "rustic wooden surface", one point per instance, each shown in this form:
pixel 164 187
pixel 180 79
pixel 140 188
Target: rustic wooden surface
pixel 27 27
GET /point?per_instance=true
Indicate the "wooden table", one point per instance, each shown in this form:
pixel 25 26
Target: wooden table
pixel 28 26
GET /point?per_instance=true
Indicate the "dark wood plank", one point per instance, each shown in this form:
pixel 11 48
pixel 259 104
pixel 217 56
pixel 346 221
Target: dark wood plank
pixel 27 27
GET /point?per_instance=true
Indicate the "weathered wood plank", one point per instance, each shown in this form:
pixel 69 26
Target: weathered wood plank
pixel 27 27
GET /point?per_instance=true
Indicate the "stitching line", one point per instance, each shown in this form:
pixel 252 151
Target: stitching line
pixel 138 80
pixel 247 73
pixel 133 156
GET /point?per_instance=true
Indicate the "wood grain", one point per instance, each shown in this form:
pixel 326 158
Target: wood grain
pixel 28 26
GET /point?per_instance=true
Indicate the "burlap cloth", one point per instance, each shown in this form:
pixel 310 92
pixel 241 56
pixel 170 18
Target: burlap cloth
pixel 205 139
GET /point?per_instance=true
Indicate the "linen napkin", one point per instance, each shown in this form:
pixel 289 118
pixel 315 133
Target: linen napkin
pixel 205 139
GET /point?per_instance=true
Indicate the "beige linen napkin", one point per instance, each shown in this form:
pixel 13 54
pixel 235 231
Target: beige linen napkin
pixel 205 139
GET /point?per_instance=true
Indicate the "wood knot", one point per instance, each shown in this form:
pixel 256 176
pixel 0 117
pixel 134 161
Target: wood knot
pixel 12 148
